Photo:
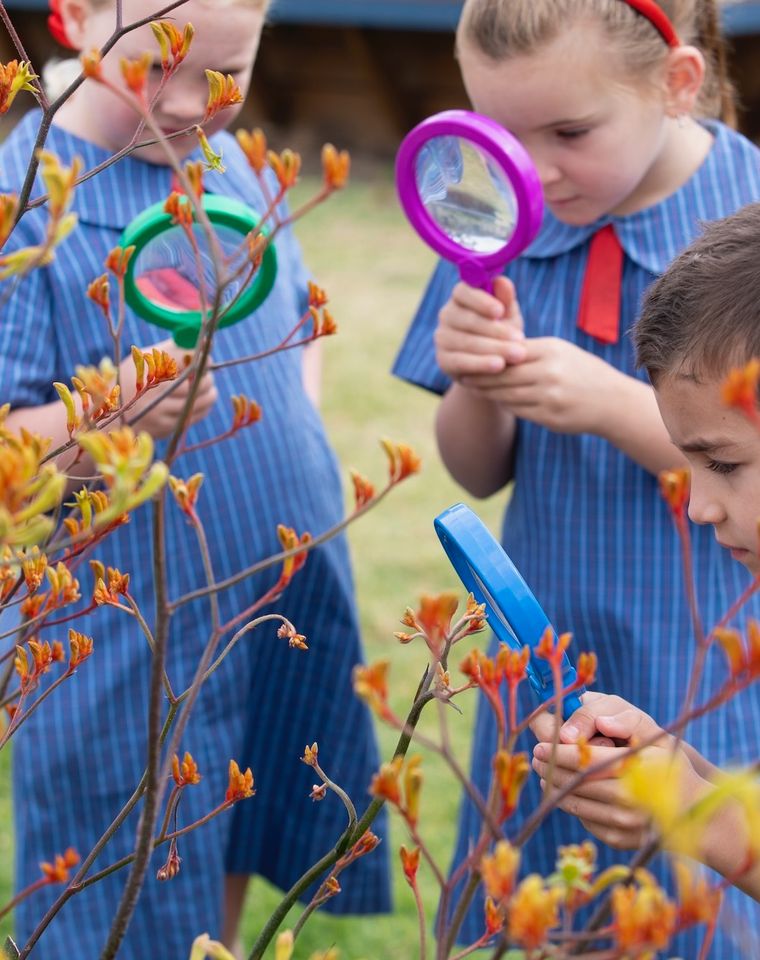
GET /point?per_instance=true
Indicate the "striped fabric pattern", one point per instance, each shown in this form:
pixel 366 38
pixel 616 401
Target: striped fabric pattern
pixel 587 527
pixel 78 759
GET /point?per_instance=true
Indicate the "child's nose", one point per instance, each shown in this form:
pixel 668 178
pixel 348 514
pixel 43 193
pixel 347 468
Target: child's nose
pixel 705 508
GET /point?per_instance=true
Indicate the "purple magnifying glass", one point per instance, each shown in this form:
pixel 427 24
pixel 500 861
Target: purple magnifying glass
pixel 470 190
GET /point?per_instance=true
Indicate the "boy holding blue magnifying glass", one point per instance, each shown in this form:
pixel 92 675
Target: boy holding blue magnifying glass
pixel 700 320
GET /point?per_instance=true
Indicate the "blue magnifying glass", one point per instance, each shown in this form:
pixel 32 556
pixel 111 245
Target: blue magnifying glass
pixel 514 614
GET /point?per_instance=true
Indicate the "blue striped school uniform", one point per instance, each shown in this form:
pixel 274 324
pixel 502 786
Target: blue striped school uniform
pixel 589 531
pixel 77 760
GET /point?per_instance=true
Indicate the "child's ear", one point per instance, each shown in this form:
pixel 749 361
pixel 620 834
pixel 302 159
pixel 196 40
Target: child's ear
pixel 684 76
pixel 74 14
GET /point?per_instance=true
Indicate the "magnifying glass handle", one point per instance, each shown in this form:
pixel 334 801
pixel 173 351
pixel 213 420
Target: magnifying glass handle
pixel 473 273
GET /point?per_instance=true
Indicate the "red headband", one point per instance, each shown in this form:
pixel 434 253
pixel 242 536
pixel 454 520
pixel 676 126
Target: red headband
pixel 658 18
pixel 56 27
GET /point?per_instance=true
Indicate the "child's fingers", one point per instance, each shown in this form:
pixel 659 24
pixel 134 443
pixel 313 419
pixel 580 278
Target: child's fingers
pixel 477 301
pixel 616 826
pixel 504 292
pixel 568 757
pixel 457 364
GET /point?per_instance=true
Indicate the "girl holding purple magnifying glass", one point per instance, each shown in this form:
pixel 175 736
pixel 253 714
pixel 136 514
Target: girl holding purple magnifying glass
pixel 619 106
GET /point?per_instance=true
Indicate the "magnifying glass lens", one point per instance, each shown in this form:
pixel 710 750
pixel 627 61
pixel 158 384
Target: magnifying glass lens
pixel 466 193
pixel 170 273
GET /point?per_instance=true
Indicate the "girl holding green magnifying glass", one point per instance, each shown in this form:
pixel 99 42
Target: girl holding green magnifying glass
pixel 265 702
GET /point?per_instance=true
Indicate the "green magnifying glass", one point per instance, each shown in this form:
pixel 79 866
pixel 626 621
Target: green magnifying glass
pixel 166 273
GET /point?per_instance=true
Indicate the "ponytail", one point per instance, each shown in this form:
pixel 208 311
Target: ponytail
pixel 718 94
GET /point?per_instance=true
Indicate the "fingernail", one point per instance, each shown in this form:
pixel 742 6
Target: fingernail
pixel 571 732
pixel 541 751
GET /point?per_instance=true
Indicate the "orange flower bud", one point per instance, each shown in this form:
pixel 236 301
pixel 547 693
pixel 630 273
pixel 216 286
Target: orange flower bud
pixel 585 669
pixel 254 146
pixel 499 870
pixel 402 460
pixel 434 619
pixel 318 792
pixel 8 211
pixel 179 209
pixel 317 296
pixel 410 861
pixel 364 491
pixel 385 783
pixel 174 45
pixel 185 774
pixel 740 388
pixel 371 686
pixel 642 914
pixel 118 259
pixel 80 647
pixel 552 647
pixel 511 773
pixel 731 642
pixel 674 487
pixel 15 77
pixel 59 870
pixel 171 868
pixel 533 912
pixel 335 167
pixel 91 66
pixel 494 918
pixel 286 167
pixel 240 784
pixel 98 292
pixel 412 788
pixel 310 755
pixel 245 412
pixel 223 92
pixel 135 73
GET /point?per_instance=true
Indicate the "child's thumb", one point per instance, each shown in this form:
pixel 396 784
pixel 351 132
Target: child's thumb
pixel 504 291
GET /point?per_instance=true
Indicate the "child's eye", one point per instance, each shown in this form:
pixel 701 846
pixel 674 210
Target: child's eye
pixel 573 134
pixel 718 466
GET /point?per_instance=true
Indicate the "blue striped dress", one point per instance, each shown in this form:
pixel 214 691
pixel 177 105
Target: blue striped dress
pixel 77 760
pixel 588 529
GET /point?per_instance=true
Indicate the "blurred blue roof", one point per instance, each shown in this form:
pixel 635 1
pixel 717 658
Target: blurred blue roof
pixel 741 17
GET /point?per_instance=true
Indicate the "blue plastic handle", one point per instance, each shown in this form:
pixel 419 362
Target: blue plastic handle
pixel 514 614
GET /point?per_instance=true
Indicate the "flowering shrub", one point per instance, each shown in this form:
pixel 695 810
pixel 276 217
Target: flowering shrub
pixel 44 541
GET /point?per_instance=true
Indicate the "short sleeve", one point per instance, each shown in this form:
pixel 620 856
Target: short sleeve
pixel 27 344
pixel 416 358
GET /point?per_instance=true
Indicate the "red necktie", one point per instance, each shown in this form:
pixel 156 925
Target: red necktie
pixel 599 309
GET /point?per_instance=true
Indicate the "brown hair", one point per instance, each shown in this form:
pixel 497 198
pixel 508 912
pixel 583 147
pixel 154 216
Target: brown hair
pixel 504 28
pixel 702 316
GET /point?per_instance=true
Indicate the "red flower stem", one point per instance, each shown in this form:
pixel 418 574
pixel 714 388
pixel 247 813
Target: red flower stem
pixel 473 947
pixel 26 892
pixel 421 919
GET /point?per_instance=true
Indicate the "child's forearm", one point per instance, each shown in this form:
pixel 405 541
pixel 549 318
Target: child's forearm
pixel 631 421
pixel 725 849
pixel 476 441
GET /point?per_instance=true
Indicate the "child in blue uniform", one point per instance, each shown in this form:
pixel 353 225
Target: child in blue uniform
pixel 616 103
pixel 691 333
pixel 78 759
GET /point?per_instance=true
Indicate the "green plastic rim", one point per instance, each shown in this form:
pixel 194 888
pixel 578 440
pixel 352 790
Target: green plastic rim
pixel 185 325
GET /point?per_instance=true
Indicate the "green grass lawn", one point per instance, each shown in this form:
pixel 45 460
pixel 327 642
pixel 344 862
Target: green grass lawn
pixel 374 268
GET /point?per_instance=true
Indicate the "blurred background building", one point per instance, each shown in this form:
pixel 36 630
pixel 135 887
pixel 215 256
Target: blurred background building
pixel 360 73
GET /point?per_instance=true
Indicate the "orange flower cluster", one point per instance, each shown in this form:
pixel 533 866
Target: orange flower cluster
pixel 643 916
pixel 335 167
pixel 185 774
pixel 15 77
pixel 154 367
pixel 110 585
pixel 740 388
pixel 135 73
pixel 118 259
pixel 90 504
pixel 29 489
pixel 511 771
pixel 174 45
pixel 400 787
pixel 296 641
pixel 254 146
pixel 80 647
pixel 223 92
pixel 33 566
pixel 498 871
pixel 43 657
pixel 240 784
pixel 59 870
pixel 186 494
pixel 245 412
pixel 403 462
pixel 323 323
pixel 533 912
pixel 371 686
pixel 286 167
pixel 64 590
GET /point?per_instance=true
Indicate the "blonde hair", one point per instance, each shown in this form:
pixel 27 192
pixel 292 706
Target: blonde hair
pixel 59 73
pixel 505 28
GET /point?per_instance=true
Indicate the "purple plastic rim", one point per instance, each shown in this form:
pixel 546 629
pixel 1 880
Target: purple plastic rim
pixel 507 153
